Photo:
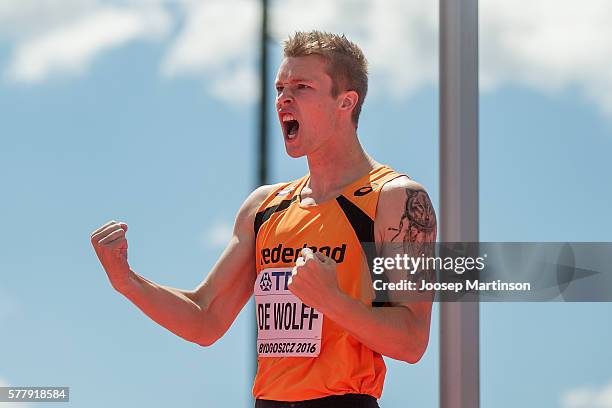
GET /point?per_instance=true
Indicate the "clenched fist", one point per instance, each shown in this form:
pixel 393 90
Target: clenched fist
pixel 313 279
pixel 110 245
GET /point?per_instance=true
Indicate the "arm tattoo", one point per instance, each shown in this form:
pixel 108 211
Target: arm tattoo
pixel 418 222
pixel 417 232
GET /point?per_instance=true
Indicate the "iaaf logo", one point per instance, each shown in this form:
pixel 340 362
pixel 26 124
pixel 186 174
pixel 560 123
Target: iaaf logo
pixel 266 283
pixel 289 255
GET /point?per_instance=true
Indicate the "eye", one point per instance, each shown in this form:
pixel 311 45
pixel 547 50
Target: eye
pixel 303 86
pixel 279 89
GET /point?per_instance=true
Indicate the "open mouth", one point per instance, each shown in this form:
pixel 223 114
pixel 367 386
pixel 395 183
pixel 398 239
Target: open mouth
pixel 290 126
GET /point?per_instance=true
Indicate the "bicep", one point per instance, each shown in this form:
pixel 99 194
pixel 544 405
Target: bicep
pixel 229 285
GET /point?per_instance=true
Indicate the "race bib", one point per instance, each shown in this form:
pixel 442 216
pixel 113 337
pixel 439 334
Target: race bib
pixel 286 327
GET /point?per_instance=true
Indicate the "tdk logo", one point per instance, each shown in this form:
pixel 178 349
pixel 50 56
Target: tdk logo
pixel 281 278
pixel 286 255
pixel 266 283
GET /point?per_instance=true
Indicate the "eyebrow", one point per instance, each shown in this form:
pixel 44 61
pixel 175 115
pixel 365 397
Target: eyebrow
pixel 296 80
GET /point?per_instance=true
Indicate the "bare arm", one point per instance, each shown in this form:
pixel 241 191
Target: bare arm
pixel 204 314
pixel 405 222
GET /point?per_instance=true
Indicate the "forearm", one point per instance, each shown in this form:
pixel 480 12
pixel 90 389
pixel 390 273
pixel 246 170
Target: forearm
pixel 391 331
pixel 170 308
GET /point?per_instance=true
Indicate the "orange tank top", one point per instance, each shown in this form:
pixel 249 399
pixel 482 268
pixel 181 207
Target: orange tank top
pixel 301 354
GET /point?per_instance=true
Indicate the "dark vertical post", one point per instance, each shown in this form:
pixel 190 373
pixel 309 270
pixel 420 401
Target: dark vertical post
pixel 262 167
pixel 262 159
pixel 459 321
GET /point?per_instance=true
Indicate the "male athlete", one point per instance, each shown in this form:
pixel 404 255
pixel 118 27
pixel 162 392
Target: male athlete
pixel 305 249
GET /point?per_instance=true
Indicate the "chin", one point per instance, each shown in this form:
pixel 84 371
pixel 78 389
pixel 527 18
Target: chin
pixel 294 152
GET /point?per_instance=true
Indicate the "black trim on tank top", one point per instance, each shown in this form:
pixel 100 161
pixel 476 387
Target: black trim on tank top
pixel 363 226
pixel 265 215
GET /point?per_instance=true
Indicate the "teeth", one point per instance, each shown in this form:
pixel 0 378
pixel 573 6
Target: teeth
pixel 287 117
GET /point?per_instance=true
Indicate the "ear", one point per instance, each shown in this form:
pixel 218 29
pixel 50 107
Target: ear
pixel 348 100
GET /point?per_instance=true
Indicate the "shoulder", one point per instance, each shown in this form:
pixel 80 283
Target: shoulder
pixel 398 186
pixel 395 193
pixel 259 195
pixel 403 200
pixel 246 215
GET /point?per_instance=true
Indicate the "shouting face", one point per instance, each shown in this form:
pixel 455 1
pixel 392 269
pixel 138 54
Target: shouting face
pixel 307 111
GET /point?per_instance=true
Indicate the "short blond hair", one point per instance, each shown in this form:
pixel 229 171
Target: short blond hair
pixel 347 66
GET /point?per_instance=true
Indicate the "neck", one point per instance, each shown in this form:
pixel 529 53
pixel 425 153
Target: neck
pixel 338 164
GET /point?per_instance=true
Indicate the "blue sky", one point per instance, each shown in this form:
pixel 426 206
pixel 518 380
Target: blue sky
pixel 139 127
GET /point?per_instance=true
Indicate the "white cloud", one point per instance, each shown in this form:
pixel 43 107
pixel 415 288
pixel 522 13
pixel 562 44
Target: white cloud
pixel 236 85
pixel 398 37
pixel 588 397
pixel 216 32
pixel 71 48
pixel 287 16
pixel 550 45
pixel 218 42
pixel 23 18
pixel 402 45
pixel 218 235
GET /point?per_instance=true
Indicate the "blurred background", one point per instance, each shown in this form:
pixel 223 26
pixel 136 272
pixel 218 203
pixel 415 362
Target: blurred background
pixel 145 111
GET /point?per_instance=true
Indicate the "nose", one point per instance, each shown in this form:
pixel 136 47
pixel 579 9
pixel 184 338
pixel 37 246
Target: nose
pixel 284 98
